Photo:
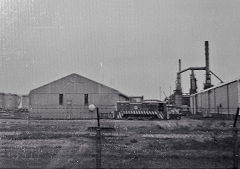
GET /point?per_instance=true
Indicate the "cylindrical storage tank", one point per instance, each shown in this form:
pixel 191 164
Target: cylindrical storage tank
pixel 25 101
pixel 1 100
pixel 11 101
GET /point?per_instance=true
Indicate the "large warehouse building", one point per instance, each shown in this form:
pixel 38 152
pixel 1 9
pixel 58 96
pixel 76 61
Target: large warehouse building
pixel 221 100
pixel 69 97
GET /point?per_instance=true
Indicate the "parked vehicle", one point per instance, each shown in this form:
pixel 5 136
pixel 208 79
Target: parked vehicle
pixel 137 108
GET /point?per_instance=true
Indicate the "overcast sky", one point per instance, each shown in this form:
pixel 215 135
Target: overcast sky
pixel 130 45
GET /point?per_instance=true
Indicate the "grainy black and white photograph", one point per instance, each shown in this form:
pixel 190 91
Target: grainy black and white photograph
pixel 149 84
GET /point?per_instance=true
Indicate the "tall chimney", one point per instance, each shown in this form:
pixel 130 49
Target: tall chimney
pixel 179 83
pixel 207 83
pixel 179 65
pixel 178 91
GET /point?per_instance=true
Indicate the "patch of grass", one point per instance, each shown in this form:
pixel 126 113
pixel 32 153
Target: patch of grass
pixel 27 135
pixel 156 144
pixel 223 124
pixel 183 128
pixel 23 153
pixel 221 144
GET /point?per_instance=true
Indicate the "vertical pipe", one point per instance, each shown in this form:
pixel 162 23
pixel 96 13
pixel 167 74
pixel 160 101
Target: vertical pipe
pixel 179 65
pixel 178 91
pixel 191 83
pixel 180 68
pixel 207 57
pixel 179 83
pixel 208 75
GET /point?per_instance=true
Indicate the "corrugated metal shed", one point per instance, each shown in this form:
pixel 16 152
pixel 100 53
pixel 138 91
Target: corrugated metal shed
pixel 222 99
pixel 70 96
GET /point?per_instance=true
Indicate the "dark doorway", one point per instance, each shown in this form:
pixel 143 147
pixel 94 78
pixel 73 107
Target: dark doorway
pixel 60 99
pixel 85 99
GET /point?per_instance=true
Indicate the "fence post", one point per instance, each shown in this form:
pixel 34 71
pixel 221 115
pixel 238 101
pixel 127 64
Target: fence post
pixel 98 149
pixel 235 138
pixel 98 118
pixel 98 143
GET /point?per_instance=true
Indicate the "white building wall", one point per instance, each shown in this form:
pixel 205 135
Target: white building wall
pixel 212 101
pixel 204 103
pixel 233 97
pixel 222 99
pixel 199 103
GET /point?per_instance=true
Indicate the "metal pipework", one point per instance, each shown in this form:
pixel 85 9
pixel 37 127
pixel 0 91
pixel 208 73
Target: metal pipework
pixel 179 83
pixel 216 76
pixel 192 68
pixel 208 83
pixel 207 56
pixel 200 68
pixel 179 65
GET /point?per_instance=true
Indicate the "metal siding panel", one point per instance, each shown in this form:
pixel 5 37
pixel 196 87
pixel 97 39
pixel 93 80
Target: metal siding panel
pixel 194 105
pixel 233 97
pixel 199 102
pixel 221 99
pixel 204 102
pixel 212 101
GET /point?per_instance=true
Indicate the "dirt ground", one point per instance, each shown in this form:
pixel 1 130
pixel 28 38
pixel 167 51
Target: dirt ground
pixel 184 143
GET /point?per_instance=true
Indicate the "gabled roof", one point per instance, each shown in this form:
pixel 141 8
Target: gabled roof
pixel 75 74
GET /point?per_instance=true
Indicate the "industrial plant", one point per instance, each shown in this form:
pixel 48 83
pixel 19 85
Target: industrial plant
pixel 69 97
pixel 219 101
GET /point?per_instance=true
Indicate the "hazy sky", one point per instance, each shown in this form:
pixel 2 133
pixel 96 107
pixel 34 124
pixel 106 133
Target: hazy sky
pixel 130 45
